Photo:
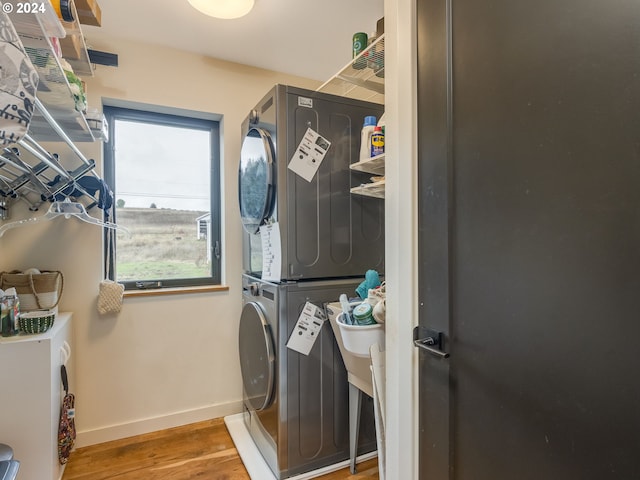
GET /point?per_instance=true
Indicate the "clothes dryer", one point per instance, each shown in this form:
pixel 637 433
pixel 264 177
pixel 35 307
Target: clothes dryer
pixel 325 231
pixel 296 407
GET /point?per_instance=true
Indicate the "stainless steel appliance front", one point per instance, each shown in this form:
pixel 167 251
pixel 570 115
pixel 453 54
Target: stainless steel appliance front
pixel 296 406
pixel 325 231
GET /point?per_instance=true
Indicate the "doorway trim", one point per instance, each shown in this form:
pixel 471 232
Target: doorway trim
pixel 401 213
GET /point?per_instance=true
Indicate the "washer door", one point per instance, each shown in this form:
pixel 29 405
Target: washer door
pixel 257 359
pixel 256 179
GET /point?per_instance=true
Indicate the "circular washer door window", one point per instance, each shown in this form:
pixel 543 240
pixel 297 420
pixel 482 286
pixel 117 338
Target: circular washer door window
pixel 256 187
pixel 257 359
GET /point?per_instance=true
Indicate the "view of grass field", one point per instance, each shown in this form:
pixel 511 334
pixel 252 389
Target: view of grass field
pixel 164 245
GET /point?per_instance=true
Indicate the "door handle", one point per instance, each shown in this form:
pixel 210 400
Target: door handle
pixel 430 341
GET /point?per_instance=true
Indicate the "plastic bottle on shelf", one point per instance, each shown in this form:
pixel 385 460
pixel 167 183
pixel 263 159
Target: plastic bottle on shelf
pixel 377 142
pixel 378 64
pixel 371 60
pixel 365 137
pixel 375 56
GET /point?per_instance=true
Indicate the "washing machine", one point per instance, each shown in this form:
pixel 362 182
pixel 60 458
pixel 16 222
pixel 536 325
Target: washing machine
pixel 296 407
pixel 325 231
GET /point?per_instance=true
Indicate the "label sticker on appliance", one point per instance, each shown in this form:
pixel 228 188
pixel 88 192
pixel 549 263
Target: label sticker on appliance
pixel 271 252
pixel 305 102
pixel 307 329
pixel 309 155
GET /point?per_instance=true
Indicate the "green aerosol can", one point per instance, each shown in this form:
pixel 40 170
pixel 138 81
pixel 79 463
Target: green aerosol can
pixel 359 44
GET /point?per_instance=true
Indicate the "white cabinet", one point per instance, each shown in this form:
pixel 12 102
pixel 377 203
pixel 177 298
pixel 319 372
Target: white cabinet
pixel 31 395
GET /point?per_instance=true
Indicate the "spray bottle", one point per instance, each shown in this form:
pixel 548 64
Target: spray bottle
pixel 377 142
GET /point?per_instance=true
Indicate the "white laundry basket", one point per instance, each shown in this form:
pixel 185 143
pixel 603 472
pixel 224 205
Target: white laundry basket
pixel 358 339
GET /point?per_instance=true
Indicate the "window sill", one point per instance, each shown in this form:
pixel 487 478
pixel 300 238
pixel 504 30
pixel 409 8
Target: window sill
pixel 175 291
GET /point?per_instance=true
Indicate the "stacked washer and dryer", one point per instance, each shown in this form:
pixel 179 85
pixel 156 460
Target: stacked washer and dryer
pixel 296 406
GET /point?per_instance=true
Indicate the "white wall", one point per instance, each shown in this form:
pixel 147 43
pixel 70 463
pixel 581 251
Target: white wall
pixel 166 360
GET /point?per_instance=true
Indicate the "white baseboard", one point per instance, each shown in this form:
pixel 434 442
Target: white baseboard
pixel 147 425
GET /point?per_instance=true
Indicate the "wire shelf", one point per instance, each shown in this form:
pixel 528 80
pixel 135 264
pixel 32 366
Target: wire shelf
pixel 373 165
pixel 374 189
pixel 28 171
pixel 55 94
pixel 363 77
pixel 37 24
pixel 53 89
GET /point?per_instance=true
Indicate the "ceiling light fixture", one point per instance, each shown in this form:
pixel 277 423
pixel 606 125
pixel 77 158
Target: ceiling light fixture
pixel 223 8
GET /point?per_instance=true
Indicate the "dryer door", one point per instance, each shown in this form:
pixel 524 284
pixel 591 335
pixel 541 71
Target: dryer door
pixel 257 357
pixel 256 179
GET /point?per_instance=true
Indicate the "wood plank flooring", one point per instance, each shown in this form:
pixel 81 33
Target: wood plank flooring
pixel 202 451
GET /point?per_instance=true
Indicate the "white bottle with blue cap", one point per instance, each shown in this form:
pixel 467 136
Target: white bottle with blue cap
pixel 365 139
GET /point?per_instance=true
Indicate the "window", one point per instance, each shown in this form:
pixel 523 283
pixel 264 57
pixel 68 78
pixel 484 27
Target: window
pixel 164 171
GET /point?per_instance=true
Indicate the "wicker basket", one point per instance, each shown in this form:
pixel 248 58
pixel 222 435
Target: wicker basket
pixel 36 291
pixel 36 322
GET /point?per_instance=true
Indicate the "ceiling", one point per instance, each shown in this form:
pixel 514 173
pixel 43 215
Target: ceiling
pixel 309 38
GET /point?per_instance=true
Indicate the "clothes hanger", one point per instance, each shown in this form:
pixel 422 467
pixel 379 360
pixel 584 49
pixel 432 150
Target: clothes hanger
pixel 12 157
pixel 66 209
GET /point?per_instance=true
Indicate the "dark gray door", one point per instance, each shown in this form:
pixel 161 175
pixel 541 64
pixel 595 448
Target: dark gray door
pixel 529 171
